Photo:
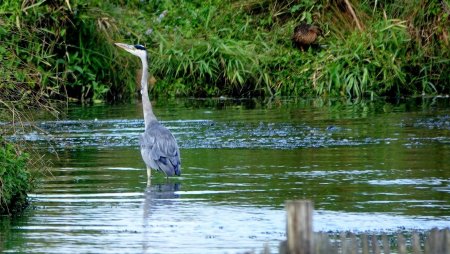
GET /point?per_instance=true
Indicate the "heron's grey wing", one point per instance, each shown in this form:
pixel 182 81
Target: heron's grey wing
pixel 147 143
pixel 164 150
pixel 167 154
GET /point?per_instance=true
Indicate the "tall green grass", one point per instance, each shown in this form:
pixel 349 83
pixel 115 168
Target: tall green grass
pixel 203 53
pixel 231 48
pixel 59 50
pixel 364 64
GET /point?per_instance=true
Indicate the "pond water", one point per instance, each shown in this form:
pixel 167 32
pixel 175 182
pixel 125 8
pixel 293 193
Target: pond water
pixel 375 166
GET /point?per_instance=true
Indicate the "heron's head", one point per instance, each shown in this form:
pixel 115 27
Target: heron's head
pixel 137 50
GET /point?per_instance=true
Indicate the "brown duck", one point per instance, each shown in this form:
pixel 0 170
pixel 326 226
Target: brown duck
pixel 305 35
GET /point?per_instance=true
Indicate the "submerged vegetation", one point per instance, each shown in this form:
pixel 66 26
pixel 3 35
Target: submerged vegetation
pixel 64 49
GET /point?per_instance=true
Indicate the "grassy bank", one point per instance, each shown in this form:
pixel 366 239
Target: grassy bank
pixel 58 51
pixel 243 48
pixel 233 48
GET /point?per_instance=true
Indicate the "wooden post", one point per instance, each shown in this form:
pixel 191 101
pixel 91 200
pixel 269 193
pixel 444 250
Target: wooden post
pixel 354 244
pixel 446 244
pixel 438 242
pixel 375 246
pixel 299 227
pixel 322 244
pixel 349 246
pixel 386 245
pixel 401 244
pixel 415 243
pixel 364 244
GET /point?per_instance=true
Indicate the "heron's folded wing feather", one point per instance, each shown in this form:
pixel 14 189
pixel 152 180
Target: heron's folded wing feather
pixel 169 155
pixel 146 141
pixel 165 146
pixel 162 148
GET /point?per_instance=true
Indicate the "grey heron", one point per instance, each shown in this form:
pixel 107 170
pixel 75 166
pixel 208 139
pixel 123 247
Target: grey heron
pixel 159 147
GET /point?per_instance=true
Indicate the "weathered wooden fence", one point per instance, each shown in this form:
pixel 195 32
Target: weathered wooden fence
pixel 302 240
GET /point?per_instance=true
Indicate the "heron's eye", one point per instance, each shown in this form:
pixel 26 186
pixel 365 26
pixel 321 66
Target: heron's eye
pixel 138 46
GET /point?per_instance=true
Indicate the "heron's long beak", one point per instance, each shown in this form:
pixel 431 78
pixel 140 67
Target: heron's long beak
pixel 124 46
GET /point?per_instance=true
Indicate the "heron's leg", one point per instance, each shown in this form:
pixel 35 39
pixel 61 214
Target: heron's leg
pixel 149 176
pixel 167 177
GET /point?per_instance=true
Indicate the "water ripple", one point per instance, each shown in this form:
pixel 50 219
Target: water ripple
pixel 191 134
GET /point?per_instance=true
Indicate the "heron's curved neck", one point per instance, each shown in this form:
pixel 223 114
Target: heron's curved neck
pixel 149 116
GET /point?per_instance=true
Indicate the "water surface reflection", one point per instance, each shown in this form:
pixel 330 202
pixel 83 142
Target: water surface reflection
pixel 367 167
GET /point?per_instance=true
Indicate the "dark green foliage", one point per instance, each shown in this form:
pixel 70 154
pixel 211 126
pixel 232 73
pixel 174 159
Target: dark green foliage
pixel 60 51
pixel 245 49
pixel 14 178
pixel 235 48
pixel 365 64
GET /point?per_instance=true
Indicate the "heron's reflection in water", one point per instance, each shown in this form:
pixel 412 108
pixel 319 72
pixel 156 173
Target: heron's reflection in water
pixel 157 199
